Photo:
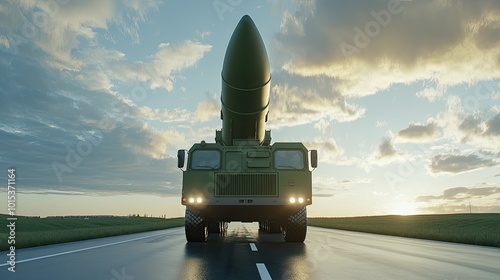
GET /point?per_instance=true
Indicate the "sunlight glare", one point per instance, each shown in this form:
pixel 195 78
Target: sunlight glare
pixel 404 208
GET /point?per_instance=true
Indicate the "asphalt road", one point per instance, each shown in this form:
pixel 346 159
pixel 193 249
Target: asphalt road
pixel 247 254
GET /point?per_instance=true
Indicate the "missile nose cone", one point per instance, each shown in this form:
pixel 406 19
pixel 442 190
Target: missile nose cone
pixel 246 65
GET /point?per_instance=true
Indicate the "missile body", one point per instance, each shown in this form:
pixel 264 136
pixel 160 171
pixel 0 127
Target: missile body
pixel 245 89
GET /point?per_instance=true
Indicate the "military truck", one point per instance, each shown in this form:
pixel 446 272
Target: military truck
pixel 242 176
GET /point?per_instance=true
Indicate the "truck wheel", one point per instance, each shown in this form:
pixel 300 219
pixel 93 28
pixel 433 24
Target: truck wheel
pixel 217 227
pixel 214 227
pixel 223 228
pixel 261 226
pixel 296 226
pixel 196 229
pixel 274 226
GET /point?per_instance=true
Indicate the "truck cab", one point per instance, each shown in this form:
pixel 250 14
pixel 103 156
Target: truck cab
pixel 246 182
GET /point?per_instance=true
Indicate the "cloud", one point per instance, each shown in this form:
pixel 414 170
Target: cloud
pixel 170 58
pixel 473 126
pixel 386 149
pixel 328 150
pixel 386 152
pixel 367 46
pixel 4 42
pixel 324 195
pixel 54 28
pixel 462 193
pixel 309 46
pixel 292 24
pixel 419 132
pixel 325 186
pixel 329 186
pixel 174 115
pixel 160 71
pixel 208 108
pixel 203 34
pixel 463 123
pixel 150 142
pixel 432 93
pixel 356 181
pixel 67 127
pixel 58 28
pixel 65 37
pixel 323 125
pixel 493 126
pixel 458 163
pixel 483 198
pixel 62 137
pixel 297 100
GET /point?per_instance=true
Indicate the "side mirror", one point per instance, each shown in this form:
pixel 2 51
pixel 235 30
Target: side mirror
pixel 181 158
pixel 314 158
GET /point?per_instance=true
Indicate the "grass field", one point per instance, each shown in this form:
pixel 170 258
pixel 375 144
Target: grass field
pixel 476 229
pixel 32 232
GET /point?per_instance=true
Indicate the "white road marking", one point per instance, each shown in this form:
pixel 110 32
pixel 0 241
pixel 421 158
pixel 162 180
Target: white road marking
pixel 264 274
pixel 80 250
pixel 253 247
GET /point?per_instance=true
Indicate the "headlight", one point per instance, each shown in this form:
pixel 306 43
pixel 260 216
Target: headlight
pixel 199 200
pixel 294 200
pixel 191 200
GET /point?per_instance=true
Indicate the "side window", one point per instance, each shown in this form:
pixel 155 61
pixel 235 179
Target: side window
pixel 205 159
pixel 289 159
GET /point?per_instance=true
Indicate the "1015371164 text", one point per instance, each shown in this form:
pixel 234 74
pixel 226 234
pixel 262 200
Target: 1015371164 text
pixel 11 225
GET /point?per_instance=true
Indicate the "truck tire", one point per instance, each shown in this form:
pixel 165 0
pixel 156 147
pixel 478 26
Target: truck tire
pixel 274 226
pixel 196 228
pixel 224 228
pixel 296 226
pixel 214 227
pixel 217 227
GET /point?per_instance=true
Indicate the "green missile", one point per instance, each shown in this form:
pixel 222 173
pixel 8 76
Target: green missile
pixel 246 78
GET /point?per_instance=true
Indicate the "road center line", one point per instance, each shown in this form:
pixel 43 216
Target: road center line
pixel 80 250
pixel 253 247
pixel 264 274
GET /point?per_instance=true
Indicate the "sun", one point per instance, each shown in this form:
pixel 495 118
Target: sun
pixel 404 208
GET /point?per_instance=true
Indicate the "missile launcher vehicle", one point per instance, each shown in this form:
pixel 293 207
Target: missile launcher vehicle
pixel 242 176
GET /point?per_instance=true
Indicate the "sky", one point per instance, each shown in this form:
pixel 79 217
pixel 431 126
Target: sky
pixel 400 98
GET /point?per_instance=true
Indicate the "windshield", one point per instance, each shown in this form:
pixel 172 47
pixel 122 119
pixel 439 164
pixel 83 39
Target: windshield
pixel 288 159
pixel 205 159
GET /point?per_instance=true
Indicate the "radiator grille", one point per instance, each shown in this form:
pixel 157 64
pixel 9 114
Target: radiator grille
pixel 248 184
